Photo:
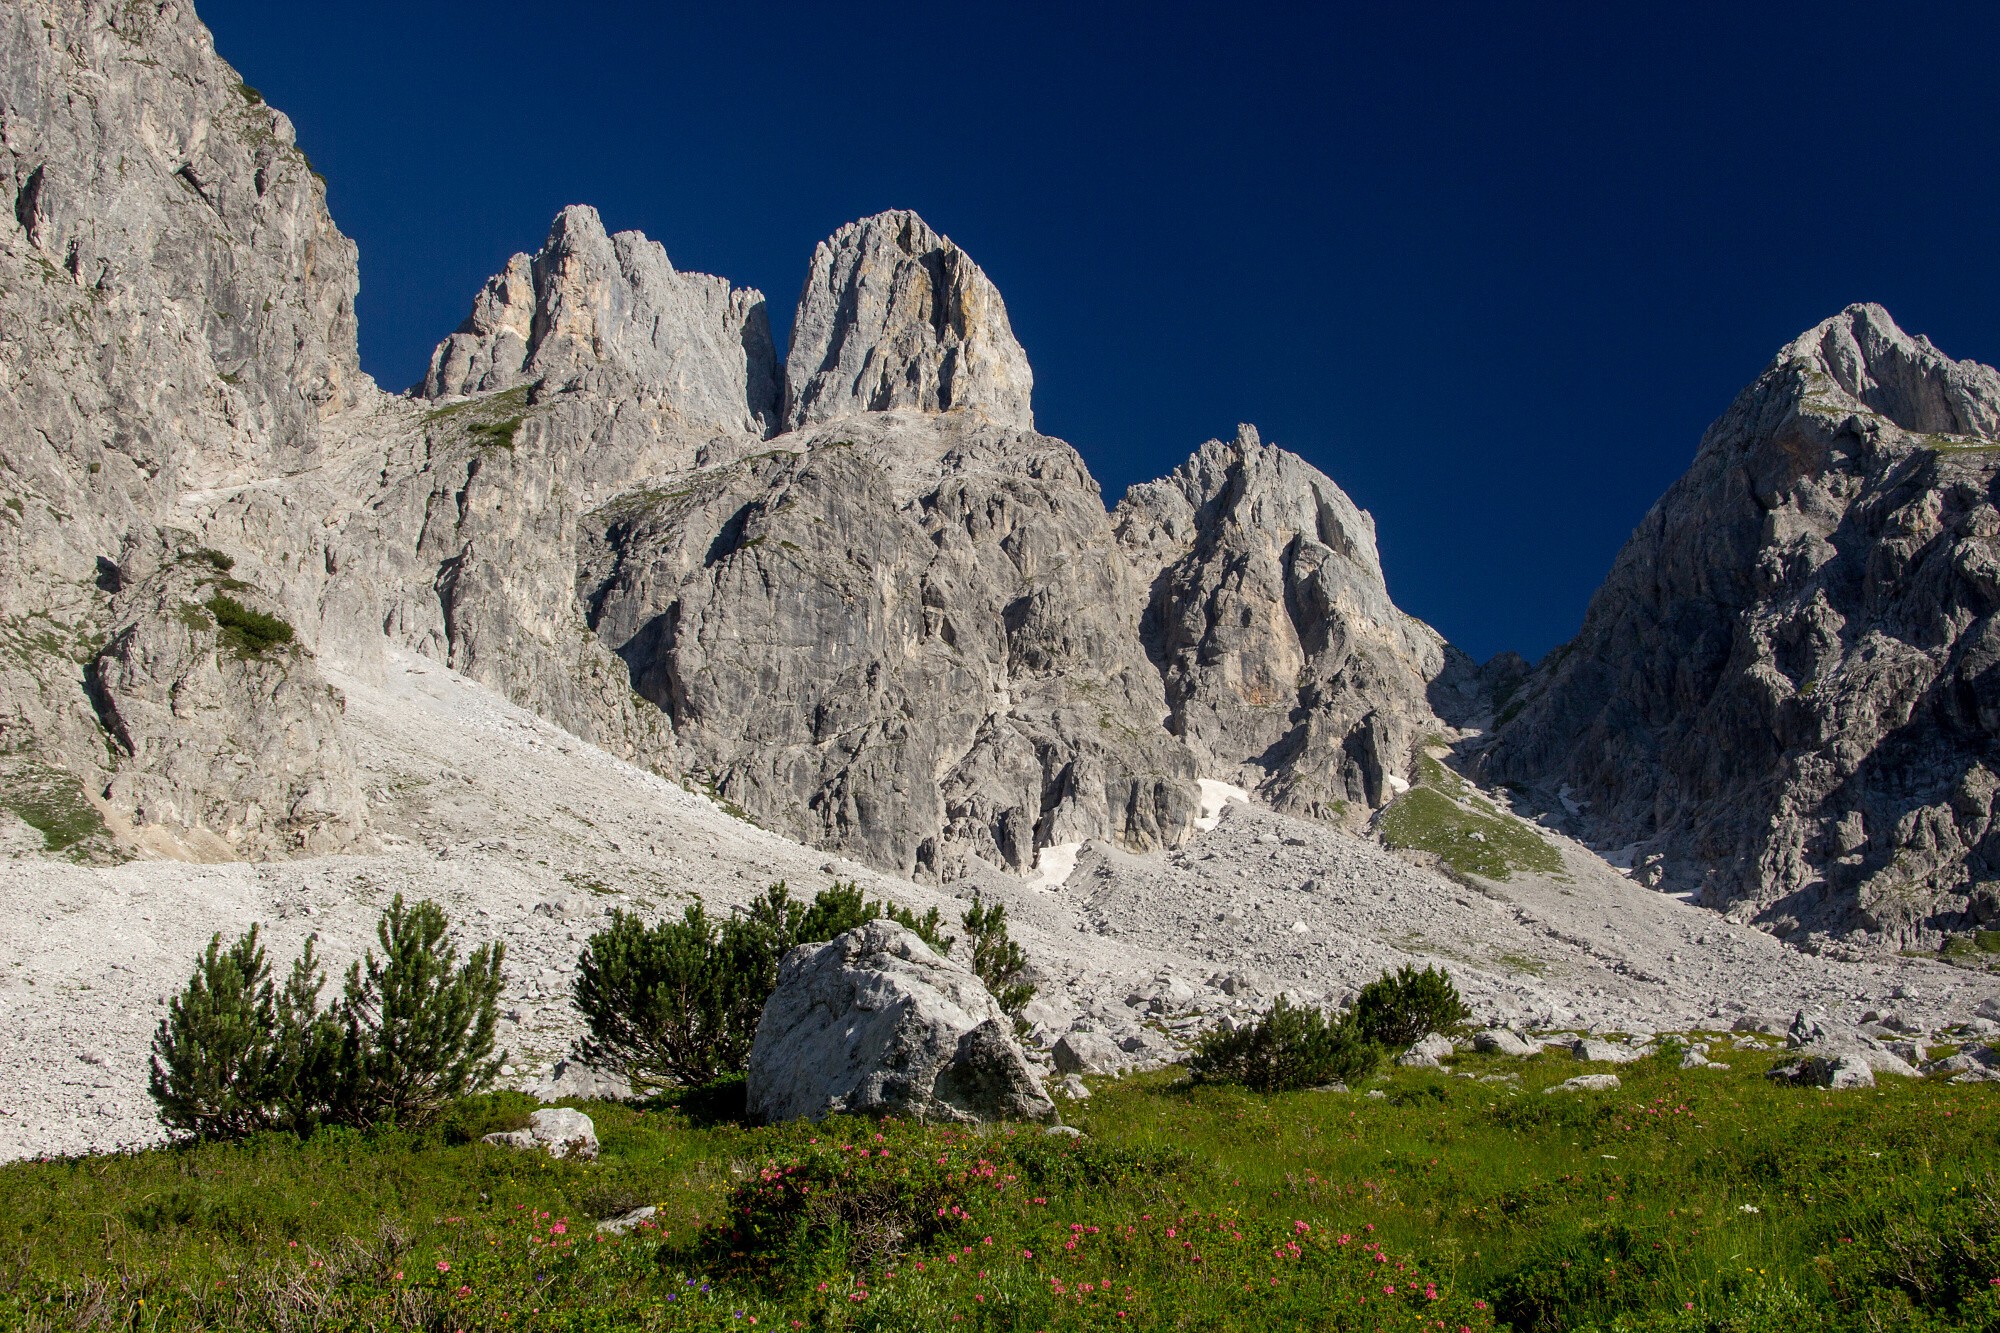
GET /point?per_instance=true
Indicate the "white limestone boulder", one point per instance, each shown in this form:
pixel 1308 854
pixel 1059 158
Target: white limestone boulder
pixel 875 1023
pixel 556 1130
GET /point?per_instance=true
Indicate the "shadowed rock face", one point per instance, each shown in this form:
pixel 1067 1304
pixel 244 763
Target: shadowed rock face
pixel 1286 665
pixel 1788 689
pixel 894 315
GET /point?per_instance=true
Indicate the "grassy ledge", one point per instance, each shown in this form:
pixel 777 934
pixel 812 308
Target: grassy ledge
pixel 1467 832
pixel 53 803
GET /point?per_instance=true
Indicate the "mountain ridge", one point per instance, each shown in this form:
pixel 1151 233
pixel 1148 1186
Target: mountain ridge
pixel 855 591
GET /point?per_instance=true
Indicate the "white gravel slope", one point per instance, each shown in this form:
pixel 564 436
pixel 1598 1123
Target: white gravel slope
pixel 525 833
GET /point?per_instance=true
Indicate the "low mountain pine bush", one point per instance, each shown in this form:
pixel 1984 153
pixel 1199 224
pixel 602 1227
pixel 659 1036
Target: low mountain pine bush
pixel 1289 1048
pixel 677 1002
pixel 412 1033
pixel 1395 1011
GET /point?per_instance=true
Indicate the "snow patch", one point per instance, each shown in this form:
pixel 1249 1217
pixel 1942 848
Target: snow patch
pixel 1214 795
pixel 1054 865
pixel 1396 784
pixel 1620 858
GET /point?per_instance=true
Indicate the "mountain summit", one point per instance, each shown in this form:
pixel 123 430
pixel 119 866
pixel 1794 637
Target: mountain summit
pixel 1786 696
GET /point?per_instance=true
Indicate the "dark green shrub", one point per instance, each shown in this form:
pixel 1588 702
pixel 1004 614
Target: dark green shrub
pixel 675 1002
pixel 500 434
pixel 212 1053
pixel 678 1002
pixel 1287 1049
pixel 306 1047
pixel 1400 1010
pixel 245 632
pixel 835 911
pixel 1586 1272
pixel 996 959
pixel 1062 1163
pixel 499 1112
pixel 417 1025
pixel 236 1054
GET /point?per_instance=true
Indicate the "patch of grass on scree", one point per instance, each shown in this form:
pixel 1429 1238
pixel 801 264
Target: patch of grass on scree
pixel 1683 1201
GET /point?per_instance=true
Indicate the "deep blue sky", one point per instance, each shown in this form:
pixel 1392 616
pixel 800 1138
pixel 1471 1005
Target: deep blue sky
pixel 1493 267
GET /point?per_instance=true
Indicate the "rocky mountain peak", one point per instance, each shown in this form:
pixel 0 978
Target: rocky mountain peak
pixel 893 315
pixel 1878 368
pixel 1287 666
pixel 610 311
pixel 1785 694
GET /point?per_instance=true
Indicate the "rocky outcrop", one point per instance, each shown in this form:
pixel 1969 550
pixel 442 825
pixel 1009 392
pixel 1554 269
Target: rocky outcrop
pixel 609 314
pixel 1288 669
pixel 230 740
pixel 894 315
pixel 557 1131
pixel 909 636
pixel 176 317
pixel 874 1023
pixel 1787 693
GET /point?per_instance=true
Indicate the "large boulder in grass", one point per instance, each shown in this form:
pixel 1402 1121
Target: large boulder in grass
pixel 873 1022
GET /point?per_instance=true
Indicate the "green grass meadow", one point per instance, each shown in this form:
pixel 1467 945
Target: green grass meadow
pixel 1686 1200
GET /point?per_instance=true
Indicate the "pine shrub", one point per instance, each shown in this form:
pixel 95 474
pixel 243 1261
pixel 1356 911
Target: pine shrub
pixel 1396 1011
pixel 303 1085
pixel 414 1030
pixel 996 959
pixel 212 1053
pixel 677 1002
pixel 417 1025
pixel 1288 1048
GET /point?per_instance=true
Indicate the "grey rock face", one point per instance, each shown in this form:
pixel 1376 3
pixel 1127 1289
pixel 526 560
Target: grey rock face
pixel 894 315
pixel 626 1223
pixel 1089 1053
pixel 1287 667
pixel 906 635
pixel 178 312
pixel 568 1078
pixel 1787 689
pixel 1586 1083
pixel 1838 1070
pixel 610 314
pixel 1503 1041
pixel 1970 1065
pixel 231 744
pixel 909 630
pixel 1603 1052
pixel 1430 1053
pixel 874 1023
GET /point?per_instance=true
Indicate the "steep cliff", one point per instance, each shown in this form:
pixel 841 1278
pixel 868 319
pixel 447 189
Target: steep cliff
pixel 894 315
pixel 1286 665
pixel 904 634
pixel 176 315
pixel 1787 692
